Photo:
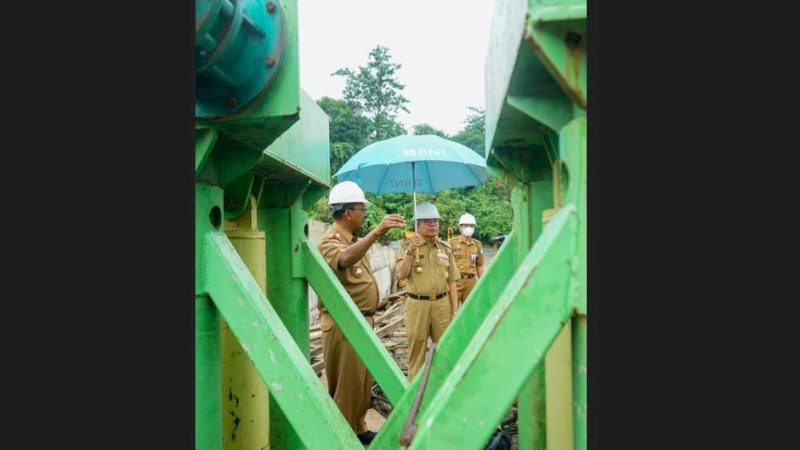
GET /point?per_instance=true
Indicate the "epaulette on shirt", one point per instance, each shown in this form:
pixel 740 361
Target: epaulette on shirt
pixel 446 244
pixel 333 237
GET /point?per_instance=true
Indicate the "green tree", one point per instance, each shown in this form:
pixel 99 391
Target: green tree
pixel 474 133
pixel 375 91
pixel 349 130
pixel 490 203
pixel 425 128
pixel 366 114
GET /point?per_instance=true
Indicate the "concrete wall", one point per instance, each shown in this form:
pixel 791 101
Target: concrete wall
pixel 381 258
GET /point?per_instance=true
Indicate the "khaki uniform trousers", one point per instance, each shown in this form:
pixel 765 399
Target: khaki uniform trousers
pixel 349 382
pixel 465 286
pixel 424 318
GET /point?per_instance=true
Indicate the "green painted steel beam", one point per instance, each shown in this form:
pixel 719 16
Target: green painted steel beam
pixel 208 383
pixel 350 320
pixel 232 164
pixel 298 217
pixel 548 108
pixel 204 141
pixel 559 11
pixel 237 196
pixel 556 32
pixel 288 293
pixel 282 195
pixel 281 364
pixel 528 204
pixel 532 412
pixel 520 166
pixel 314 193
pixel 510 343
pixel 573 152
pixel 536 71
pixel 508 16
pixel 535 104
pixel 302 152
pixel 454 342
pixel 541 199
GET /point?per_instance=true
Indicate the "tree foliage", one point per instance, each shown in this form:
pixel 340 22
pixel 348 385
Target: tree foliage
pixel 425 128
pixel 375 91
pixel 349 130
pixel 367 113
pixel 474 133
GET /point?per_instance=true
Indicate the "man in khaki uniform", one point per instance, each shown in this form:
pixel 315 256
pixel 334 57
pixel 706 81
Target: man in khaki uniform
pixel 431 296
pixel 349 382
pixel 468 254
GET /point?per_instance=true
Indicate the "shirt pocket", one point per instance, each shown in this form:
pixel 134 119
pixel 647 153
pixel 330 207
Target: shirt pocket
pixel 444 265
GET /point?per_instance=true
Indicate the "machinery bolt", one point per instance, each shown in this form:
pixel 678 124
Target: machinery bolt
pixel 270 7
pixel 231 102
pixel 269 61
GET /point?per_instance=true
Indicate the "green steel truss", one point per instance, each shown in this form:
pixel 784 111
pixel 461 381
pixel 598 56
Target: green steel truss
pixel 502 344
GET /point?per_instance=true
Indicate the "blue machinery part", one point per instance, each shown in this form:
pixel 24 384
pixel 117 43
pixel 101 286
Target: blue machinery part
pixel 239 46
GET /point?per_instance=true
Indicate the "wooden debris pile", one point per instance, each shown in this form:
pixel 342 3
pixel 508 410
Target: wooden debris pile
pixel 389 327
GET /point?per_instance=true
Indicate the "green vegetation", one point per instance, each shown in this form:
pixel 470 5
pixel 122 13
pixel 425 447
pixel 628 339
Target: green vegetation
pixel 367 113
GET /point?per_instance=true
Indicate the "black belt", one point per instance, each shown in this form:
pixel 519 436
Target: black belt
pixel 464 277
pixel 425 297
pixel 364 313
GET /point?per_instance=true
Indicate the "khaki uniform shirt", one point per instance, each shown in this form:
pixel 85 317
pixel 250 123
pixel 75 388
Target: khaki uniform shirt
pixel 438 268
pixel 468 256
pixel 358 280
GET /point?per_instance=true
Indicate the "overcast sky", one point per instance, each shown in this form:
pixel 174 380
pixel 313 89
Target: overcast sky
pixel 440 43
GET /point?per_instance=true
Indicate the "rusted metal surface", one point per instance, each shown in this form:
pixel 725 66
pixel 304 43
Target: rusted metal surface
pixel 410 429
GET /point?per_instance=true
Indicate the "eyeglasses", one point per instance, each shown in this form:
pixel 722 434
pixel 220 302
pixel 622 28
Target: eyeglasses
pixel 356 209
pixel 429 221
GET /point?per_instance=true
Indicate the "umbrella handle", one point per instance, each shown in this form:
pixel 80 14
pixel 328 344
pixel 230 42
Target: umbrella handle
pixel 414 191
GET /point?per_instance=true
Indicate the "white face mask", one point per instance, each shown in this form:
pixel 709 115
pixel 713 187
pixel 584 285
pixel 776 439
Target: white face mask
pixel 467 231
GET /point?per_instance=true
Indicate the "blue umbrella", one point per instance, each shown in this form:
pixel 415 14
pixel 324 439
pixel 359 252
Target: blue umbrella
pixel 434 163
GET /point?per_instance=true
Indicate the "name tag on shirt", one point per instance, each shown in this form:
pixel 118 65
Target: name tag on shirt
pixel 441 255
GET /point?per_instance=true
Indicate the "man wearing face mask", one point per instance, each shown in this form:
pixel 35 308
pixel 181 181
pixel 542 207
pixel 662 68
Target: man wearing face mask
pixel 468 253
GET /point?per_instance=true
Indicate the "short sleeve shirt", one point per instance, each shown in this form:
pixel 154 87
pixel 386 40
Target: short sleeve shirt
pixel 437 265
pixel 357 280
pixel 468 256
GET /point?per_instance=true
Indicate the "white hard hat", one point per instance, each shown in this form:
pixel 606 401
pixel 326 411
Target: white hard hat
pixel 426 210
pixel 467 219
pixel 346 192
